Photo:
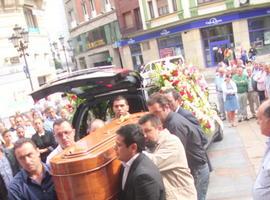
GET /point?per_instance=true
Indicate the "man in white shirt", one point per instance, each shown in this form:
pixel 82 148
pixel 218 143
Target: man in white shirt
pixel 140 177
pixel 64 135
pixel 261 188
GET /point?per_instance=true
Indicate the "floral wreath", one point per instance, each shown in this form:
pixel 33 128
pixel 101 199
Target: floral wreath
pixel 192 88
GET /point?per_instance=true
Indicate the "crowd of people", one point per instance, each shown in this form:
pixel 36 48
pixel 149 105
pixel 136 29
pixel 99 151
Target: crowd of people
pixel 163 155
pixel 240 86
pixel 228 55
pixel 36 128
pixel 162 158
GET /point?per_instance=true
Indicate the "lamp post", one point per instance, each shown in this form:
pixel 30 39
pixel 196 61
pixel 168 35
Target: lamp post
pixel 62 41
pixel 20 40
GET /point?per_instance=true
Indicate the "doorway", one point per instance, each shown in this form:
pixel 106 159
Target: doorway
pixel 215 37
pixel 214 47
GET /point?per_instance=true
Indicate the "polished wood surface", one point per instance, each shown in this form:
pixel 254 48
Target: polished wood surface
pixel 89 170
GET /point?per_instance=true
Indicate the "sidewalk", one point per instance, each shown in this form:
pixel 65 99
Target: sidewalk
pixel 236 161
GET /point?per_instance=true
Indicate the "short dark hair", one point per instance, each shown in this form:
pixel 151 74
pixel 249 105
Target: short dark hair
pixel 174 93
pixel 155 121
pixel 266 112
pixel 158 98
pixel 132 133
pixel 23 141
pixel 60 121
pixel 120 97
pixel 38 118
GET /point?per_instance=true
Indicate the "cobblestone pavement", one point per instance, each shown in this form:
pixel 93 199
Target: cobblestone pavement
pixel 236 160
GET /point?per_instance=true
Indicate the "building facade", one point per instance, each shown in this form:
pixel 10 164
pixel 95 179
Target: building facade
pixel 129 18
pixel 14 84
pixel 197 28
pixel 94 30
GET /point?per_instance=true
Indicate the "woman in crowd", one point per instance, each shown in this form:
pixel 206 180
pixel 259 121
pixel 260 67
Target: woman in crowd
pixel 7 139
pixel 259 77
pixel 267 81
pixel 230 102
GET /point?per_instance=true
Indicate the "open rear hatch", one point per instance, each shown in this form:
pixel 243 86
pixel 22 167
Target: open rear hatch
pixel 92 82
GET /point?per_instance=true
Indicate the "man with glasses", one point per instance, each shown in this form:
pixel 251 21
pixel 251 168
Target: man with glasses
pixel 64 135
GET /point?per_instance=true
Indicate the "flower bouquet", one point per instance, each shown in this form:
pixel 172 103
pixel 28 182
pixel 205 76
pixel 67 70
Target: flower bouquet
pixel 192 88
pixel 74 102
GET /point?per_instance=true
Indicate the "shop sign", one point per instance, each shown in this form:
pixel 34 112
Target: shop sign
pixel 164 32
pixel 213 21
pixel 96 43
pixel 198 24
pixel 131 41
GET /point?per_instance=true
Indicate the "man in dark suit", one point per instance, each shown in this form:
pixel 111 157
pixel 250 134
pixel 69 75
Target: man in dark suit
pixel 175 105
pixel 175 100
pixel 140 178
pixel 190 136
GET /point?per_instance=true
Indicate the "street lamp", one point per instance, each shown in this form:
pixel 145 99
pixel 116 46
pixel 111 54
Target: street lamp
pixel 62 41
pixel 20 42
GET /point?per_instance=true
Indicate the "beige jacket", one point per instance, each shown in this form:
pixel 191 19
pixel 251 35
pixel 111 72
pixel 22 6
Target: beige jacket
pixel 170 158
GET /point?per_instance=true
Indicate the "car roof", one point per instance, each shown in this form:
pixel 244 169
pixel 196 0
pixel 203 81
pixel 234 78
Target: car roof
pixel 91 82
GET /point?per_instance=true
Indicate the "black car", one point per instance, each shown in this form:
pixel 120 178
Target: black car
pixel 98 87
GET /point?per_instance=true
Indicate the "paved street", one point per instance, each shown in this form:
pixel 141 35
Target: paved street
pixel 236 160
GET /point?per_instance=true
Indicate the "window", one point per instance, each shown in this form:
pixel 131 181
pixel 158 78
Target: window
pixel 136 55
pixel 128 20
pixel 205 1
pixel 259 34
pixel 30 18
pixel 151 9
pixel 170 46
pixel 163 8
pixel 174 5
pixel 138 18
pixel 72 18
pixel 84 9
pixel 82 63
pixel 41 80
pixel 92 5
pixel 97 37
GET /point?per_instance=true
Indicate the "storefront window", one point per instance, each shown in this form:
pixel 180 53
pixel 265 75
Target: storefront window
pixel 107 34
pixel 259 34
pixel 214 38
pixel 170 46
pixel 136 54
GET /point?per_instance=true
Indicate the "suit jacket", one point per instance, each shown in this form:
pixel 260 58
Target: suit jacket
pixel 143 182
pixel 190 117
pixel 3 189
pixel 170 157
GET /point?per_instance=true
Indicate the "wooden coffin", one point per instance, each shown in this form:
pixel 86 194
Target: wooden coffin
pixel 89 170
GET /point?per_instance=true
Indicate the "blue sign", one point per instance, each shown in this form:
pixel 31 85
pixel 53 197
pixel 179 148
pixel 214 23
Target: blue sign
pixel 213 21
